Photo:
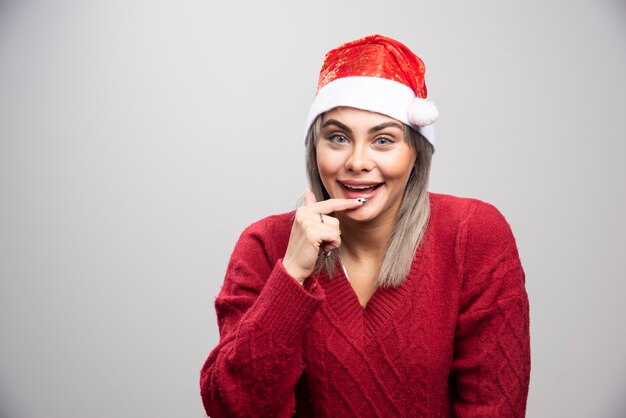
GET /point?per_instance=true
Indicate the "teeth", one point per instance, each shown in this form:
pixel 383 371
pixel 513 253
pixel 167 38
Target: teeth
pixel 359 187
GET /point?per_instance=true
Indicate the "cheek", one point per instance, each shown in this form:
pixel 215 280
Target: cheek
pixel 328 163
pixel 398 168
pixel 324 170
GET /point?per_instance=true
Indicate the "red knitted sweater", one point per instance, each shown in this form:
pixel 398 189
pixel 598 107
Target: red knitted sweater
pixel 453 340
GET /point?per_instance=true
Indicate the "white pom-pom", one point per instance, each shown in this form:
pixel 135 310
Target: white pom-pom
pixel 422 112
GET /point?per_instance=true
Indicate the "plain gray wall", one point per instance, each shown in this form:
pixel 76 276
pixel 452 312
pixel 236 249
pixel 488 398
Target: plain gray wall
pixel 138 139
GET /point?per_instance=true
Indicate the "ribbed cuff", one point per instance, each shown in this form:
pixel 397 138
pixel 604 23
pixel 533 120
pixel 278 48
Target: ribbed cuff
pixel 285 306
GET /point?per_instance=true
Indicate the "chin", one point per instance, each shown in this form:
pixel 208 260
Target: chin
pixel 362 214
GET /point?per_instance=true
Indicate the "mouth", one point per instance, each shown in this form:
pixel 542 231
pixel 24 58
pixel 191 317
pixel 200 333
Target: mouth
pixel 357 190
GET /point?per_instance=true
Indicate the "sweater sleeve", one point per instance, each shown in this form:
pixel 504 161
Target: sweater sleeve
pixel 491 364
pixel 262 313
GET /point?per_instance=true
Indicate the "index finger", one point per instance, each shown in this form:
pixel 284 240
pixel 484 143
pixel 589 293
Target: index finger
pixel 309 197
pixel 335 205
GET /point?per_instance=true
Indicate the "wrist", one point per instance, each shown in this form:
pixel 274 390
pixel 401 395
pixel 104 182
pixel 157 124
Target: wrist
pixel 297 273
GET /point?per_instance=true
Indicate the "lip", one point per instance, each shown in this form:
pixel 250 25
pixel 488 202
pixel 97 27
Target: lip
pixel 355 194
pixel 359 183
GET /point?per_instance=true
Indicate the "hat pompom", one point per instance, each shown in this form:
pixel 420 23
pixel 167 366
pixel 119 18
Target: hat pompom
pixel 422 112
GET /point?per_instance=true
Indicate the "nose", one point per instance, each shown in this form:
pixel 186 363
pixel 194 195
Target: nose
pixel 359 159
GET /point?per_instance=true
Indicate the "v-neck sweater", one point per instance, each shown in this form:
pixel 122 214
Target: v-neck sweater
pixel 452 340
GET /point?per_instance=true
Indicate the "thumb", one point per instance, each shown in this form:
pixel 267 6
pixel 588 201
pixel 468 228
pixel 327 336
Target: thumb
pixel 309 197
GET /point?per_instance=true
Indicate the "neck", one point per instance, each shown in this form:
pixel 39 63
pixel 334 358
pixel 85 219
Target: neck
pixel 366 240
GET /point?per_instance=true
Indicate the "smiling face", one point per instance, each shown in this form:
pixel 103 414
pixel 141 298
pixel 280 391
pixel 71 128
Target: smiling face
pixel 364 154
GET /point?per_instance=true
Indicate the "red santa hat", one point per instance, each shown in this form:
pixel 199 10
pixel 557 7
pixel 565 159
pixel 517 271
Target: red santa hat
pixel 378 74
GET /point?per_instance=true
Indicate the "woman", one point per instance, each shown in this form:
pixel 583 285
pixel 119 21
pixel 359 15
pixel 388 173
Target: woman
pixel 375 298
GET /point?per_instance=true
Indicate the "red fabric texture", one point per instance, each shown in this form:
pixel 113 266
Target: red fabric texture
pixel 375 56
pixel 453 340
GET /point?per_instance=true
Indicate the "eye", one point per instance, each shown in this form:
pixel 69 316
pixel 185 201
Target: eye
pixel 338 139
pixel 383 140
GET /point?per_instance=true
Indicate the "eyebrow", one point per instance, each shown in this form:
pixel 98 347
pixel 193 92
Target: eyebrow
pixel 371 130
pixel 385 125
pixel 337 124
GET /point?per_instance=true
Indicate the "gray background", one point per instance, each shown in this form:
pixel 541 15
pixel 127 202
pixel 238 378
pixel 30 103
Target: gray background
pixel 138 139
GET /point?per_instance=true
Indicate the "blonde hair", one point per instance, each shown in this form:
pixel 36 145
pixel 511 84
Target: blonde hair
pixel 413 215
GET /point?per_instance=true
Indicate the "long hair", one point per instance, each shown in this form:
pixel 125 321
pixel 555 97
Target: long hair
pixel 413 215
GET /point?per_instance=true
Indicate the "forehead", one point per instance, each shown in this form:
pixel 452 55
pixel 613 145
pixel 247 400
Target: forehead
pixel 353 116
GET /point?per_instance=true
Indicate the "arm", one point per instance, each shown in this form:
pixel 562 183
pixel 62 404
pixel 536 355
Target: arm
pixel 262 313
pixel 491 365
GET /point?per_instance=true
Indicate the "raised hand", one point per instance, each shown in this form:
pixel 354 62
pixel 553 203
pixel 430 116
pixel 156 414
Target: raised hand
pixel 312 232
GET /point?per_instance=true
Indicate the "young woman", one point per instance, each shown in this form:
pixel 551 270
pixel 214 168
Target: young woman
pixel 376 298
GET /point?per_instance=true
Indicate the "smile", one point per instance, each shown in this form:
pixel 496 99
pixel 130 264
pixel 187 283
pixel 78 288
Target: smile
pixel 352 187
pixel 356 190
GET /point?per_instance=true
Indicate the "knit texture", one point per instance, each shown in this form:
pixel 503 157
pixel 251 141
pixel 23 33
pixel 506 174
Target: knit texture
pixel 453 340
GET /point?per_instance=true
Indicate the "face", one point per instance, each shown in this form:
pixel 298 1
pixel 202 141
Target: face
pixel 364 154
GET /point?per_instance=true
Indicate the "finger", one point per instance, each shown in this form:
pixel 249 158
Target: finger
pixel 330 220
pixel 329 238
pixel 327 248
pixel 335 205
pixel 309 197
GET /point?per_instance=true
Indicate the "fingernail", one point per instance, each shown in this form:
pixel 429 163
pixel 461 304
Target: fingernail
pixel 328 253
pixel 361 199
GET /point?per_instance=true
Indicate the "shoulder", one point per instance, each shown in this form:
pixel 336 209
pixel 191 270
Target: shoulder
pixel 485 253
pixel 271 233
pixel 478 228
pixel 484 249
pixel 467 213
pixel 271 224
pixel 462 208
